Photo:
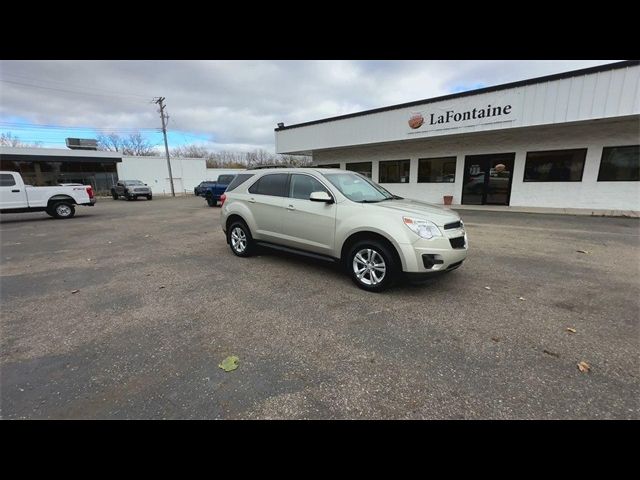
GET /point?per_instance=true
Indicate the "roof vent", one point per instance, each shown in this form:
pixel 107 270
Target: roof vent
pixel 81 143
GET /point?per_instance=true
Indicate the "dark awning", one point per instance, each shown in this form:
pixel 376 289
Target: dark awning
pixel 57 158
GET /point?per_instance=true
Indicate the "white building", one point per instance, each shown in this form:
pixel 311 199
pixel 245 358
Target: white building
pixel 187 173
pixel 567 141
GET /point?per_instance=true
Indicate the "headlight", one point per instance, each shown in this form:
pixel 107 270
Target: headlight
pixel 423 228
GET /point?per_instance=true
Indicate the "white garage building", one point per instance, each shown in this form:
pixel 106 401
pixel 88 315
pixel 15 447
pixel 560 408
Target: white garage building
pixel 567 141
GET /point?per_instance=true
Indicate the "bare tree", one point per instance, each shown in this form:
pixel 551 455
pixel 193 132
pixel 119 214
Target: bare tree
pixel 134 144
pixel 190 151
pixel 111 142
pixel 10 140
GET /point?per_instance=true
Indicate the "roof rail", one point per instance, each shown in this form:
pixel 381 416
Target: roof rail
pixel 259 167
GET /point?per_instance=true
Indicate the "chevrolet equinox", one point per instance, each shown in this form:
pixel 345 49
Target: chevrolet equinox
pixel 343 216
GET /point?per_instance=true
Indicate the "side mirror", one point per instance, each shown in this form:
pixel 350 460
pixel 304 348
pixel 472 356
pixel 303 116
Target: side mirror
pixel 320 197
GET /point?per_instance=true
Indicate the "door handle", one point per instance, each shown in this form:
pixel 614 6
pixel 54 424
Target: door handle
pixel 15 191
pixel 252 200
pixel 291 207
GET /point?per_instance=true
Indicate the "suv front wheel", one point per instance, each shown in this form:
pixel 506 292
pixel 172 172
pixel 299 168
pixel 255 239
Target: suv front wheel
pixel 239 239
pixel 372 266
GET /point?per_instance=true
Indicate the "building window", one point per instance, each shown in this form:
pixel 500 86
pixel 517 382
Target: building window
pixel 394 171
pixel 555 166
pixel 437 170
pixel 363 168
pixel 620 164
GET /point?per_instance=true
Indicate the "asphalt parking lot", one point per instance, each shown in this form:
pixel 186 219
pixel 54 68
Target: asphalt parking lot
pixel 161 302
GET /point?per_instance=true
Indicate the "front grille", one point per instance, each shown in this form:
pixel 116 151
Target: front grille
pixel 450 226
pixel 457 242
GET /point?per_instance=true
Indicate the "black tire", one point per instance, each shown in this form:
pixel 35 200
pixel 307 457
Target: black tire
pixel 114 195
pixel 149 197
pixel 373 279
pixel 62 210
pixel 249 245
pixel 128 197
pixel 211 202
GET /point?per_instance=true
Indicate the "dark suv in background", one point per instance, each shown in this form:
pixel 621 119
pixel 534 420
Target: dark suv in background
pixel 131 190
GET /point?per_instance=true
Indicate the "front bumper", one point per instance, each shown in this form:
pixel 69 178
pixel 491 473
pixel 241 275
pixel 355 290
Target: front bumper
pixel 436 255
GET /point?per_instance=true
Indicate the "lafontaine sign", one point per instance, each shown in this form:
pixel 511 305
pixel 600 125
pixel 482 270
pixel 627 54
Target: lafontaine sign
pixel 449 118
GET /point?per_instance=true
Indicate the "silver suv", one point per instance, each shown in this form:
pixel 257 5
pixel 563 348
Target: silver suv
pixel 342 216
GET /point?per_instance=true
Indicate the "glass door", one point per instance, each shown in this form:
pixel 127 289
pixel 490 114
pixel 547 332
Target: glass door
pixel 487 179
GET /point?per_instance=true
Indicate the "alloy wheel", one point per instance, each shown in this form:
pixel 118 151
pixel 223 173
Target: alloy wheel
pixel 238 240
pixel 369 266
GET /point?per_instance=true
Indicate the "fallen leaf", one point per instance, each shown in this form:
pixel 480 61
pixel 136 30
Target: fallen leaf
pixel 553 354
pixel 161 286
pixel 571 330
pixel 582 251
pixel 75 291
pixel 229 363
pixel 521 298
pixel 584 367
pixel 148 275
pixel 487 288
pixel 495 339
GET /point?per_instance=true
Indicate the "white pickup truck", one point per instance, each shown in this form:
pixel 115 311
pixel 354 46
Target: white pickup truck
pixel 59 202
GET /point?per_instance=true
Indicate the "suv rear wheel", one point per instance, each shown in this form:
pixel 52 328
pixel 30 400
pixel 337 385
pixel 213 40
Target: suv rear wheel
pixel 240 240
pixel 372 266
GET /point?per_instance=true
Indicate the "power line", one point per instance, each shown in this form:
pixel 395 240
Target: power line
pixel 67 84
pixel 68 91
pixel 34 126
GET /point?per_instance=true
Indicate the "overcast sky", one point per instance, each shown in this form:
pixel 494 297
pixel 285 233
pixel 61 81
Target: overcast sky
pixel 228 105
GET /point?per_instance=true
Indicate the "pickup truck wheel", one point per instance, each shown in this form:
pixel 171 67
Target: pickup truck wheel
pixel 114 195
pixel 62 210
pixel 372 266
pixel 240 239
pixel 149 197
pixel 211 202
pixel 128 197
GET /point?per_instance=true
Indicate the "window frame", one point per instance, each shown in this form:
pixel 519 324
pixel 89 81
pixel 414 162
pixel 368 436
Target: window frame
pixel 286 189
pixel 602 158
pixel 584 161
pixel 455 169
pixel 408 160
pixel 248 175
pixel 291 174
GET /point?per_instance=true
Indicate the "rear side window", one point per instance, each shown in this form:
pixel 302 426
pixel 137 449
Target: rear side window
pixel 6 180
pixel 274 184
pixel 239 180
pixel 302 186
pixel 225 178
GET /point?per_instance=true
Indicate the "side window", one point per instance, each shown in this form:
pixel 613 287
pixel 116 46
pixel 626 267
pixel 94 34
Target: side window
pixel 239 180
pixel 302 185
pixel 6 180
pixel 274 184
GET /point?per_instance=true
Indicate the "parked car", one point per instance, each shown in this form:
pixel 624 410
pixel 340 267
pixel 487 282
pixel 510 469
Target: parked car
pixel 213 192
pixel 342 216
pixel 199 190
pixel 58 201
pixel 131 190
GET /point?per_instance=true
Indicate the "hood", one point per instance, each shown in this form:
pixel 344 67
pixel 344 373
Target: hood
pixel 416 208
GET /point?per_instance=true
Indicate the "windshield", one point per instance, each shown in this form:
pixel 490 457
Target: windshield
pixel 133 182
pixel 358 188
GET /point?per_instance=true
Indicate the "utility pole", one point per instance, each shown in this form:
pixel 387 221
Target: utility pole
pixel 164 118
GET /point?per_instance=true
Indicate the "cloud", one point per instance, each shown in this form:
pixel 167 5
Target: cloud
pixel 235 104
